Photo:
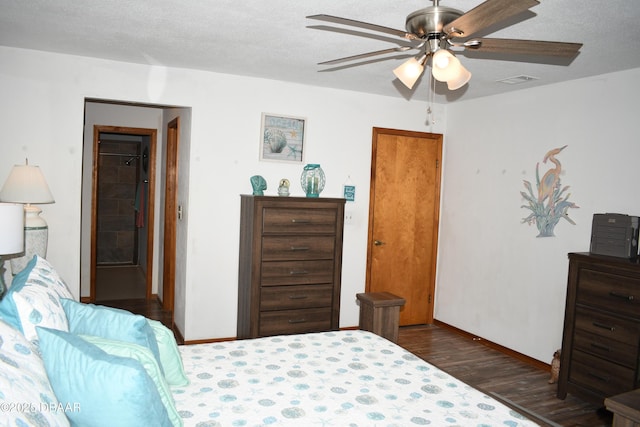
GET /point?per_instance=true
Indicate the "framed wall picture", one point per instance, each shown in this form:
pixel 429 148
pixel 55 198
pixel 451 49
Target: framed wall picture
pixel 282 138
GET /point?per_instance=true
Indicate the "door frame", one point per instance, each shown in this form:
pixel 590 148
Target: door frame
pixel 438 138
pixel 150 215
pixel 170 216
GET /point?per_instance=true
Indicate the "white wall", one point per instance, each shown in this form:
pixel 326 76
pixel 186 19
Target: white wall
pixel 495 277
pixel 42 111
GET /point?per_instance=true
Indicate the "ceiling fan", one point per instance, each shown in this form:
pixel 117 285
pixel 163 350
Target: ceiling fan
pixel 435 29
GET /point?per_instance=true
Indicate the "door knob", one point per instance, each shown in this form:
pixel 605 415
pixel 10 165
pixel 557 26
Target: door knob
pixel 378 243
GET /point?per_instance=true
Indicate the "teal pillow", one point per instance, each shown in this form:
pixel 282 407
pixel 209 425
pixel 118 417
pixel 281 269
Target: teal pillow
pixel 107 390
pixel 169 354
pixel 144 356
pixel 111 323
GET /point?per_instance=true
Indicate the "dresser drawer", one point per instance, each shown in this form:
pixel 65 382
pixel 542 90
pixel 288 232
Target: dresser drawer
pixel 599 375
pixel 609 327
pixel 298 221
pixel 274 273
pixel 293 297
pixel 607 336
pixel 295 321
pixel 616 293
pixel 282 248
pixel 614 351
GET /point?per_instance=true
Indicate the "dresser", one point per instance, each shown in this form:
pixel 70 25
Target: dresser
pixel 601 339
pixel 290 265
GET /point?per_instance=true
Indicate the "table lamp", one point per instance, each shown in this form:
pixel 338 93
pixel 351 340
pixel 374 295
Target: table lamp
pixel 26 185
pixel 11 234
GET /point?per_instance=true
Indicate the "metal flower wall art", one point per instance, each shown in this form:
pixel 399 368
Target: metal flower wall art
pixel 551 201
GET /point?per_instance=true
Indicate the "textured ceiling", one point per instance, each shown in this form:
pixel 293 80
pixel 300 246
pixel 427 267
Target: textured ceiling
pixel 272 39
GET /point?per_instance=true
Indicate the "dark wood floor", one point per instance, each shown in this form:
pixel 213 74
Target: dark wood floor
pixel 515 382
pixel 523 386
pixel 114 282
pixel 151 309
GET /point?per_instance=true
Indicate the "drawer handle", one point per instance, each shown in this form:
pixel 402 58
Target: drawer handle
pixel 298 297
pixel 300 221
pixel 303 320
pixel 600 347
pixel 603 326
pixel 299 248
pixel 298 272
pixel 599 378
pixel 621 296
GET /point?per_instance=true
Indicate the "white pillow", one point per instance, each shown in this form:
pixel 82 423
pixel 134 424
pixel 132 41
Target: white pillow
pixel 44 274
pixel 26 395
pixel 34 300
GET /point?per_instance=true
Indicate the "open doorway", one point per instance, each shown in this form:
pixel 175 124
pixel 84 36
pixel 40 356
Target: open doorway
pixel 155 127
pixel 122 229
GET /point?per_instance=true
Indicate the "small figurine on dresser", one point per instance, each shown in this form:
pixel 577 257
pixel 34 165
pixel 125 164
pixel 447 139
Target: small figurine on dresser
pixel 555 367
pixel 259 184
pixel 283 189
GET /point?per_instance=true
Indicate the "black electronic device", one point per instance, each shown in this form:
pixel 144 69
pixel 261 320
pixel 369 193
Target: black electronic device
pixel 614 235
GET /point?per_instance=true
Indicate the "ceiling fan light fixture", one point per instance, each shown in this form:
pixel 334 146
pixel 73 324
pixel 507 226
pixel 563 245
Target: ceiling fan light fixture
pixel 442 58
pixel 443 65
pixel 462 78
pixel 410 71
pixel 434 29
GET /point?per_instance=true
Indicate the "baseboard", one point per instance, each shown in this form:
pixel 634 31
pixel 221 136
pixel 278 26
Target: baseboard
pixel 210 340
pixel 178 335
pixel 87 300
pixel 502 349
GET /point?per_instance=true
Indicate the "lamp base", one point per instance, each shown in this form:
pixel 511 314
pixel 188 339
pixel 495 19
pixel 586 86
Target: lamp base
pixel 36 235
pixel 3 286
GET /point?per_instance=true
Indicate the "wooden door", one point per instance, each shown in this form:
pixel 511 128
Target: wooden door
pixel 403 219
pixel 170 215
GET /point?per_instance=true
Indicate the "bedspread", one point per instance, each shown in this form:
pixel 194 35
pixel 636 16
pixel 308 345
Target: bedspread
pixel 345 378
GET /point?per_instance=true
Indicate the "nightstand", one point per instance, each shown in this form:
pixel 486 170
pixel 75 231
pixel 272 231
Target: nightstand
pixel 625 408
pixel 380 313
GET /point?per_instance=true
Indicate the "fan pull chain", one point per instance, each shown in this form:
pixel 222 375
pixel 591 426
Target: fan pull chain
pixel 430 97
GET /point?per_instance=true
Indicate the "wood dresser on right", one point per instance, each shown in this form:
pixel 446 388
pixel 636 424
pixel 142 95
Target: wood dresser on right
pixel 601 340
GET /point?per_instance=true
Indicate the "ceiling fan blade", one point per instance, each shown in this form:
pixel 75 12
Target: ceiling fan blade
pixel 367 55
pixel 366 25
pixel 524 47
pixel 486 14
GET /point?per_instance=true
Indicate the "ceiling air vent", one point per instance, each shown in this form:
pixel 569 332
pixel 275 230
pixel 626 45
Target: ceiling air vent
pixel 517 80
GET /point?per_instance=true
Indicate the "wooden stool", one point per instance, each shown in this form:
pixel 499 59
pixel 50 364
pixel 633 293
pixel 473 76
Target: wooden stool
pixel 625 408
pixel 380 313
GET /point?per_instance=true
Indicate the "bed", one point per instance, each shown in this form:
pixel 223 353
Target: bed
pixel 66 363
pixel 343 378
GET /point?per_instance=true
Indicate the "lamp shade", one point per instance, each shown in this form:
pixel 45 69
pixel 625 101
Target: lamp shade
pixel 409 72
pixel 463 76
pixel 11 228
pixel 447 68
pixel 26 184
pixel 443 65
